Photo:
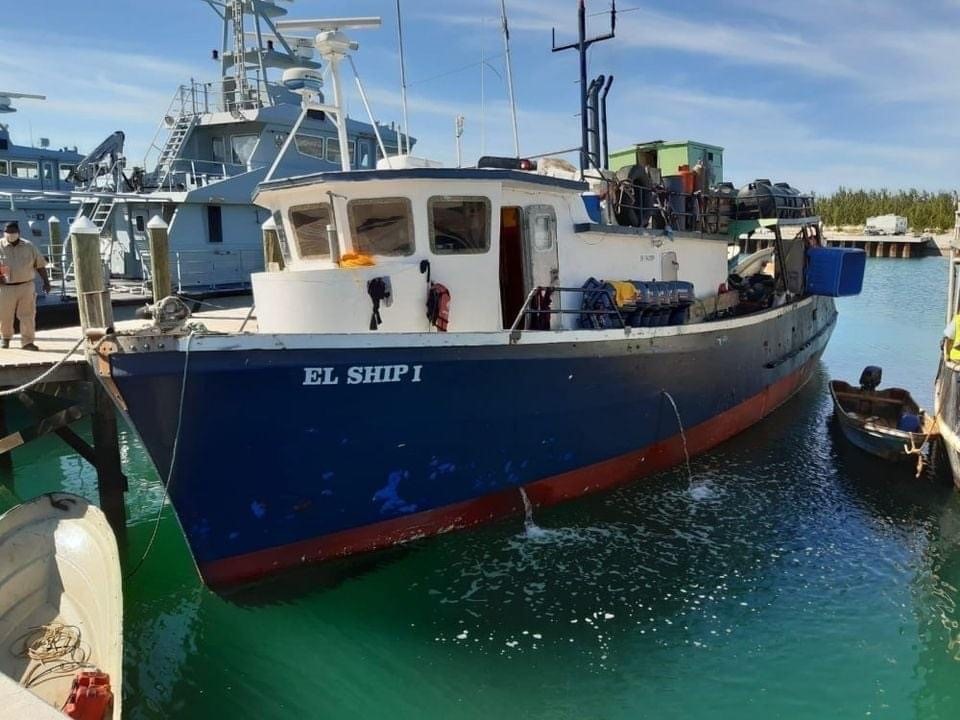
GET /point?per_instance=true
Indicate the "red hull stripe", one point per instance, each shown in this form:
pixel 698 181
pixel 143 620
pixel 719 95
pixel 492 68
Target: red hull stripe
pixel 607 474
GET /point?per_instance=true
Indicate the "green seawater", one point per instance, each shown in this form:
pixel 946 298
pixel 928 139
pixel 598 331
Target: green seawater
pixel 790 577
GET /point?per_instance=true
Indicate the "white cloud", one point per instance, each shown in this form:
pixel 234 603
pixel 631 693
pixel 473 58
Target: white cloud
pixel 114 90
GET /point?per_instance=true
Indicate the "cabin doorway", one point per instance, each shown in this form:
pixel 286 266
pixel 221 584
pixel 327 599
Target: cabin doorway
pixel 512 284
pixel 542 265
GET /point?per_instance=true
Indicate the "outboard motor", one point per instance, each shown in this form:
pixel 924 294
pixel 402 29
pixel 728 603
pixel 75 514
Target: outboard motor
pixel 870 378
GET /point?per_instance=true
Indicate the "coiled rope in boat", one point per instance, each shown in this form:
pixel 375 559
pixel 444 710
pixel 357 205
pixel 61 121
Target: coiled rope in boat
pixel 55 650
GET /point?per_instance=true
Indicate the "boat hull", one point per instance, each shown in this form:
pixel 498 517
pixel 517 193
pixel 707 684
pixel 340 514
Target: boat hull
pixel 947 409
pixel 59 564
pixel 882 445
pixel 886 443
pixel 284 459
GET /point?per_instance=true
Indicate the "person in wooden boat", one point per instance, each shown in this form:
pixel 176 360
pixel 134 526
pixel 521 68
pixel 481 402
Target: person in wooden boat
pixel 20 262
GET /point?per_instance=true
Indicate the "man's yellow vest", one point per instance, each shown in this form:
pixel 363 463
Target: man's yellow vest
pixel 955 343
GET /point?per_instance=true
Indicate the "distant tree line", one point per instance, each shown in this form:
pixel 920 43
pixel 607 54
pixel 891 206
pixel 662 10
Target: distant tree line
pixel 924 210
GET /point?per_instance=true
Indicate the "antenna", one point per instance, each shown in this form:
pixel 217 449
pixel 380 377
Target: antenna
pixel 582 45
pixel 328 24
pixel 403 87
pixel 458 124
pixel 513 102
pixel 483 92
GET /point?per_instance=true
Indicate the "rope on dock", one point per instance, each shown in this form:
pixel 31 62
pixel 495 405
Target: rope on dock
pixel 45 374
pixel 173 460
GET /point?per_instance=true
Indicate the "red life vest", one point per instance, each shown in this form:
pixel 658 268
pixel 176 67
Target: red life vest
pixel 438 306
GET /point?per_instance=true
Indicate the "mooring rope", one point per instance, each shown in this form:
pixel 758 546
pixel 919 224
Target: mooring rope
pixel 45 374
pixel 173 460
pixel 914 449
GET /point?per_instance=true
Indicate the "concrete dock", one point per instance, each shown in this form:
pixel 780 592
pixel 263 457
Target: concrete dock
pixel 886 246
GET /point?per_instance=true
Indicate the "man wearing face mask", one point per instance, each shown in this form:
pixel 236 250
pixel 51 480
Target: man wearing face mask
pixel 20 261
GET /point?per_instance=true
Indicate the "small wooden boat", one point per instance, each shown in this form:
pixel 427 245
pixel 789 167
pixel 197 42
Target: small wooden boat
pixel 61 611
pixel 886 423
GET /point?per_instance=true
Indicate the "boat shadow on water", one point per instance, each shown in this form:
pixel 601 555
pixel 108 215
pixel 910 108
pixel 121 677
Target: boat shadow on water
pixel 301 582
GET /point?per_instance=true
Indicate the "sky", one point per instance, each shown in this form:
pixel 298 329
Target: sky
pixel 818 93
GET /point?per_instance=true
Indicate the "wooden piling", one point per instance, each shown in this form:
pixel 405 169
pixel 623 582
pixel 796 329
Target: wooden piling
pixel 96 314
pixel 110 478
pixel 93 297
pixel 272 254
pixel 158 232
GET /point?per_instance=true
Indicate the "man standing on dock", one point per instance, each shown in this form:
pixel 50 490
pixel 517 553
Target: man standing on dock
pixel 20 261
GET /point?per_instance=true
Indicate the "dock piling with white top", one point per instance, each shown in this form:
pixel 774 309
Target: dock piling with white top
pixel 158 232
pixel 93 297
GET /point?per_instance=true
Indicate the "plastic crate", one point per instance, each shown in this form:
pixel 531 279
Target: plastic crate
pixel 835 272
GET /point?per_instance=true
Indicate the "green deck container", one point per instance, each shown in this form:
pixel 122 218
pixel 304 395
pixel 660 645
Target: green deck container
pixel 669 156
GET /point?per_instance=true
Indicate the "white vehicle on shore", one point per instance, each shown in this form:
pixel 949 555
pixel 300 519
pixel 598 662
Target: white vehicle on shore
pixel 886 225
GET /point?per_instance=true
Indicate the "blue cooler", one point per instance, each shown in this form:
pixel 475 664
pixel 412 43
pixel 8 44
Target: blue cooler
pixel 835 272
pixel 591 202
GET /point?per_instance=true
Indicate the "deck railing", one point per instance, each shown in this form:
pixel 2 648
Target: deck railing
pixel 526 311
pixel 192 174
pixel 195 270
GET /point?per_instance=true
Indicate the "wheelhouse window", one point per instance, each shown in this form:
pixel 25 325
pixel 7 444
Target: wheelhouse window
pixel 310 230
pixel 333 151
pixel 4 168
pixel 310 145
pixel 459 225
pixel 391 151
pixel 219 150
pixel 383 226
pixel 365 147
pixel 65 171
pixel 241 148
pixel 24 170
pixel 48 171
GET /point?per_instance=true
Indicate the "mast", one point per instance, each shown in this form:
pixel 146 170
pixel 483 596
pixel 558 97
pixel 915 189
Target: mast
pixel 581 46
pixel 403 88
pixel 239 53
pixel 513 102
pixel 263 69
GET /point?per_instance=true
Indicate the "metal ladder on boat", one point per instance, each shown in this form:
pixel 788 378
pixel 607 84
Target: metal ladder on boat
pixel 171 149
pixel 99 211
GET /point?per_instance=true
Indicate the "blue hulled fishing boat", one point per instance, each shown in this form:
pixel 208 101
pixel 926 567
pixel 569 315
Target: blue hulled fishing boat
pixel 436 346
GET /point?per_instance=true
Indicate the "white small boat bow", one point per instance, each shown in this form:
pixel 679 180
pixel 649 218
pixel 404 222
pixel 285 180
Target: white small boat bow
pixel 61 604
